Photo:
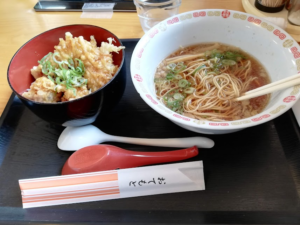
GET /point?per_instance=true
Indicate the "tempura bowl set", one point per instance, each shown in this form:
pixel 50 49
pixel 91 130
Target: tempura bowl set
pixel 274 48
pixel 77 112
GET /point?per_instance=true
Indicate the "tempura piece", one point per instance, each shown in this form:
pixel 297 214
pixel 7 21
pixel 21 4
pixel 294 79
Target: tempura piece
pixel 69 94
pixel 42 90
pixel 36 71
pixel 99 67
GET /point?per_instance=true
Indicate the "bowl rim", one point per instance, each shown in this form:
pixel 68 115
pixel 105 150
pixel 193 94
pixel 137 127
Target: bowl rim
pixel 169 114
pixel 74 100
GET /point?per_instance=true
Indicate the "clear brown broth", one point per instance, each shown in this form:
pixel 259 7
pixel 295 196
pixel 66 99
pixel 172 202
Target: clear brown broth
pixel 257 70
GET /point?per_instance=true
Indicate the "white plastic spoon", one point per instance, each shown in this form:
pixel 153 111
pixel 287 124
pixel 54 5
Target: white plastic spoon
pixel 75 138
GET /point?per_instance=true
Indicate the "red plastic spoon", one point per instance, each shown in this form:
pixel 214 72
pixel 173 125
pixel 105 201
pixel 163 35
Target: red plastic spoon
pixel 108 157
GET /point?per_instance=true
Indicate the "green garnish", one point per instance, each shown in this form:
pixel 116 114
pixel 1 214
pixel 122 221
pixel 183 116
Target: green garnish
pixel 66 73
pixel 178 77
pixel 198 68
pixel 174 100
pixel 231 55
pixel 215 54
pixel 228 62
pixel 174 69
pixel 170 76
pixel 50 78
pixel 178 96
pixel 182 83
pixel 236 56
pixel 221 59
pixel 189 90
pixel 175 105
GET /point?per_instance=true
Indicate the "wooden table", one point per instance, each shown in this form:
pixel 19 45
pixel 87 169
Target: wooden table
pixel 19 23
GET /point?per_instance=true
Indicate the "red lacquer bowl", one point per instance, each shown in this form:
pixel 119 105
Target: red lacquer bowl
pixel 77 112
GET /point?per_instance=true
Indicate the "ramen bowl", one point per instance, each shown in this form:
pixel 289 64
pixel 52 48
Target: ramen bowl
pixel 78 112
pixel 274 48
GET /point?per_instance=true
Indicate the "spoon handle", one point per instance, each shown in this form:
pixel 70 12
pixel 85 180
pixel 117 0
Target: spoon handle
pixel 200 142
pixel 135 159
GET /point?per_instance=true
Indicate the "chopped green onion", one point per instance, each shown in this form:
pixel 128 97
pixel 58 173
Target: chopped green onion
pixel 182 83
pixel 182 67
pixel 55 60
pixel 178 96
pixel 65 73
pixel 171 66
pixel 177 105
pixel 216 59
pixel 189 90
pixel 228 62
pixel 178 77
pixel 45 57
pixel 170 76
pixel 50 78
pixel 170 102
pixel 232 55
pixel 199 68
pixel 71 62
pixel 174 69
pixel 57 80
pixel 74 91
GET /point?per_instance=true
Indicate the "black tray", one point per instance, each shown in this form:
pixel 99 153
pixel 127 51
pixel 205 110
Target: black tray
pixel 252 176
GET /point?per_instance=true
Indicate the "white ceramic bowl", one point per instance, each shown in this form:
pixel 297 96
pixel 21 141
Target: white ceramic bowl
pixel 272 46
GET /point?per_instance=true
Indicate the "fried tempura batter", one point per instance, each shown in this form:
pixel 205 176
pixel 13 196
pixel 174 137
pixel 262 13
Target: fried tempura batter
pixel 42 90
pixel 97 70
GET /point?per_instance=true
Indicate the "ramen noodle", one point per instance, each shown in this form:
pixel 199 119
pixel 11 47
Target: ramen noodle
pixel 76 68
pixel 202 81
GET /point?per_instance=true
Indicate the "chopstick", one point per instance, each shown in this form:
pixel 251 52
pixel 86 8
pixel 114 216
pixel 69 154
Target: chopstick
pixel 183 58
pixel 275 86
pixel 189 57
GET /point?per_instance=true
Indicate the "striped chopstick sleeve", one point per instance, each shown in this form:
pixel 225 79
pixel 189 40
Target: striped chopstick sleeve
pixel 69 189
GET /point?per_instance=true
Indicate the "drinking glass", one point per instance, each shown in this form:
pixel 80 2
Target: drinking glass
pixel 151 12
pixel 294 12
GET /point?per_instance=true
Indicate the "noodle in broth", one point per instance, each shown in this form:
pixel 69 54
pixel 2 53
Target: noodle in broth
pixel 204 87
